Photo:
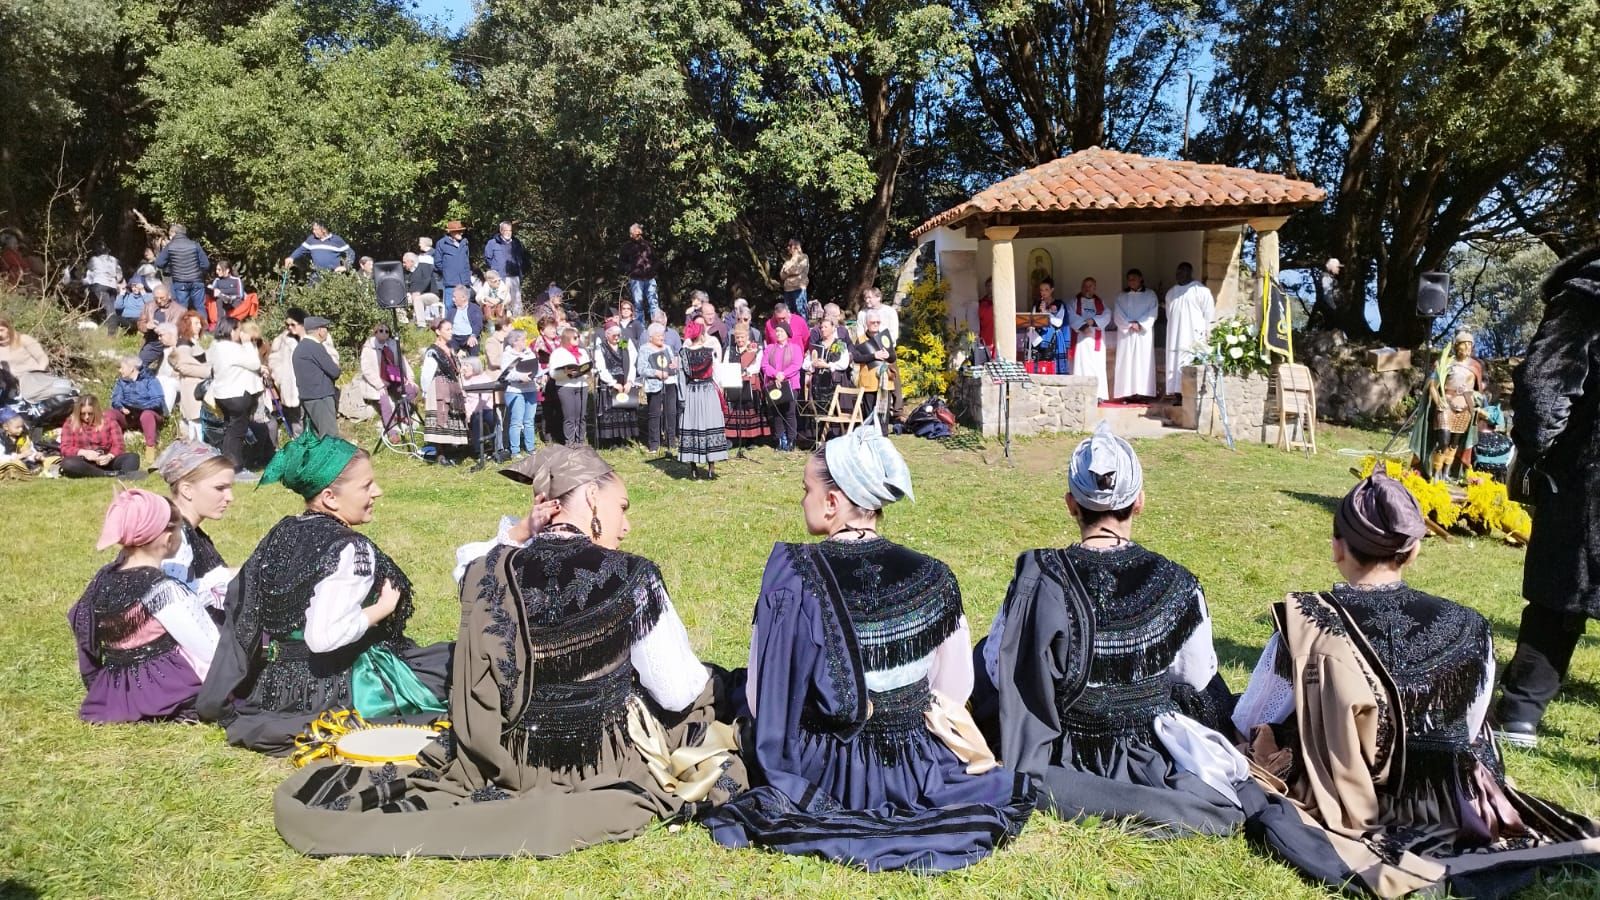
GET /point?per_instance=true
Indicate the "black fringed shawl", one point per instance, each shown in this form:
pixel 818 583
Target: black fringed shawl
pixel 902 604
pixel 580 609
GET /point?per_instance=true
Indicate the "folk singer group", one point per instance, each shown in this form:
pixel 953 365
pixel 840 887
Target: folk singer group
pixel 865 728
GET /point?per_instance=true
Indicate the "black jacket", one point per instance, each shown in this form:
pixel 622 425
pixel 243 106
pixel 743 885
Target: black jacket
pixel 183 260
pixel 637 259
pixel 314 370
pixel 1557 433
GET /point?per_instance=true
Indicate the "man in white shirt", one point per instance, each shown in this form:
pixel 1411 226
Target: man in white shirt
pixel 1134 313
pixel 1191 311
pixel 1087 318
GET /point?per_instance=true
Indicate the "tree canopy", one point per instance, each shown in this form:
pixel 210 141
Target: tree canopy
pixel 1441 129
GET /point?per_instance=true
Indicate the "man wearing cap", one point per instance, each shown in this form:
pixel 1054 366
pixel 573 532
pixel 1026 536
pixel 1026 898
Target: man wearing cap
pixel 1557 435
pixel 327 251
pixel 1122 718
pixel 316 368
pixel 1366 723
pixel 452 260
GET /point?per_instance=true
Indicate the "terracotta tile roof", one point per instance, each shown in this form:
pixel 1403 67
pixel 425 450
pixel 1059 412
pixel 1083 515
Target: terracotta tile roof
pixel 1097 179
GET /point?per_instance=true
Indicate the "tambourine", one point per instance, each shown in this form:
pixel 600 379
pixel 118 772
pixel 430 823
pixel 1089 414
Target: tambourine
pixel 343 736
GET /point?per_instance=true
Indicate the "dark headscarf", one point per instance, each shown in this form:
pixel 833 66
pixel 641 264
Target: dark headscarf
pixel 1379 517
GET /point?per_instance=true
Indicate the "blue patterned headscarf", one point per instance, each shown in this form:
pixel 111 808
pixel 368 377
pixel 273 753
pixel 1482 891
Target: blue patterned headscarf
pixel 1105 473
pixel 867 467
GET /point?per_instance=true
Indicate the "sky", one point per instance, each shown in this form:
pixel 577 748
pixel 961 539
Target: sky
pixel 452 14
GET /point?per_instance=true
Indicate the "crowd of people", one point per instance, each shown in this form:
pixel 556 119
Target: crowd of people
pixel 499 375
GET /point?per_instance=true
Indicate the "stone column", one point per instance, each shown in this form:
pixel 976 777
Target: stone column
pixel 1004 272
pixel 1266 257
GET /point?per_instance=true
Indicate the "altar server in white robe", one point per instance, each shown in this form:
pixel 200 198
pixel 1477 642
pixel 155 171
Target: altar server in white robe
pixel 1191 310
pixel 1134 313
pixel 1088 316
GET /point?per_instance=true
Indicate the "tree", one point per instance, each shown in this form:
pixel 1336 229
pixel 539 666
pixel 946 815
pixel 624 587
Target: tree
pixel 1418 115
pixel 300 114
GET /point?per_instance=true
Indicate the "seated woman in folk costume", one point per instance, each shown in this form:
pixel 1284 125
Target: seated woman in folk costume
pixel 1099 675
pixel 315 620
pixel 858 681
pixel 580 714
pixel 1365 722
pixel 144 639
pixel 201 482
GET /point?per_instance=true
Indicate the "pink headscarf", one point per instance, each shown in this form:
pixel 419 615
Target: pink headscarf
pixel 134 519
pixel 693 330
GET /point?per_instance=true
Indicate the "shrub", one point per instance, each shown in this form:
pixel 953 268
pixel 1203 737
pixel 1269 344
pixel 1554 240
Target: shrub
pixel 74 352
pixel 347 302
pixel 926 338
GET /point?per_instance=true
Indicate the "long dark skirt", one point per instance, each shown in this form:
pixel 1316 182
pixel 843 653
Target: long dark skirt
pixel 616 425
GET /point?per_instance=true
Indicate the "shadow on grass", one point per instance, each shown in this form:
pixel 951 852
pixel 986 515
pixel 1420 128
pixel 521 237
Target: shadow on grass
pixel 669 466
pixel 11 889
pixel 1328 503
pixel 1231 652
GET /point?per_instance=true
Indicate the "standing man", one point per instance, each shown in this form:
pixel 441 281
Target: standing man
pixel 1191 310
pixel 328 252
pixel 1087 317
pixel 505 254
pixel 103 278
pixel 986 316
pixel 185 262
pixel 795 275
pixel 1134 313
pixel 638 261
pixel 887 314
pixel 452 260
pixel 316 367
pixel 1557 434
pixel 799 331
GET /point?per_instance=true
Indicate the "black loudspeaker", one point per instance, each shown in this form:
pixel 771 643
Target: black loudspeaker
pixel 1433 294
pixel 389 278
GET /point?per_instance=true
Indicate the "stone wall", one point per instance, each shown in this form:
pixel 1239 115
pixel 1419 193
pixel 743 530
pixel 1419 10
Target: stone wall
pixel 1049 404
pixel 1250 401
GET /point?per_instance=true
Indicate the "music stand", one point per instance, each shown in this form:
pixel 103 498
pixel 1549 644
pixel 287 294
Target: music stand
pixel 496 402
pixel 1004 373
pixel 1032 320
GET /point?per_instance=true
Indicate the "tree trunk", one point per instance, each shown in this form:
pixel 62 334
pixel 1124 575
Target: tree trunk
pixel 1098 27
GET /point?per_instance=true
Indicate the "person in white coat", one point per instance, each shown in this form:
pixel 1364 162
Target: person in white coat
pixel 1134 313
pixel 1088 317
pixel 1191 310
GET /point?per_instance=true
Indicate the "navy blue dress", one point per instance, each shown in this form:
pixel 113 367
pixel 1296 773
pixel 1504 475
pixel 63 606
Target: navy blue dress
pixel 845 773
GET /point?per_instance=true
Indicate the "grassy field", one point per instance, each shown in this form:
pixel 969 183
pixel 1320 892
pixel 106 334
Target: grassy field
pixel 173 811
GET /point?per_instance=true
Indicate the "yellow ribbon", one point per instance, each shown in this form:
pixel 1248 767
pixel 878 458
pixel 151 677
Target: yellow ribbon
pixel 320 740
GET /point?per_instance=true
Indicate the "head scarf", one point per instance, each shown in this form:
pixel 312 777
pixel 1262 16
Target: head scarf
pixel 182 457
pixel 309 463
pixel 867 467
pixel 693 330
pixel 134 519
pixel 554 470
pixel 1105 473
pixel 1379 517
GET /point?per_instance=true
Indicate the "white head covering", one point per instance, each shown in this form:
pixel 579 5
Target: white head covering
pixel 1105 473
pixel 867 467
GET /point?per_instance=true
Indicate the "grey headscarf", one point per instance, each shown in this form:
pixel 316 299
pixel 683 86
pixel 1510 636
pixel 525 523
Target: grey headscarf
pixel 1105 473
pixel 867 467
pixel 554 469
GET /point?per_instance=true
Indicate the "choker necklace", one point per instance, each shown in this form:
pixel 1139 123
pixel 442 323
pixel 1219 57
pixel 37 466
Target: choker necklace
pixel 861 533
pixel 1117 539
pixel 563 528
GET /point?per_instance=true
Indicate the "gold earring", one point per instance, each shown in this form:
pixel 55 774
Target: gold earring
pixel 594 525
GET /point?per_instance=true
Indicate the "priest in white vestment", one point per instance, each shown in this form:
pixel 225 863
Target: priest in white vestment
pixel 1191 310
pixel 1134 313
pixel 1088 316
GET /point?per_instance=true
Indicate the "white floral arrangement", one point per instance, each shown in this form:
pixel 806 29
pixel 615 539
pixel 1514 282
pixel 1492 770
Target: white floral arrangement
pixel 1234 348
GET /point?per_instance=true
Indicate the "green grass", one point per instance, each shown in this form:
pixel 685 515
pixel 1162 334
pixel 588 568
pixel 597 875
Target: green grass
pixel 173 811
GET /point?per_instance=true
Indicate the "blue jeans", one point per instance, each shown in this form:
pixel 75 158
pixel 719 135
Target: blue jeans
pixel 645 298
pixel 796 301
pixel 191 294
pixel 522 407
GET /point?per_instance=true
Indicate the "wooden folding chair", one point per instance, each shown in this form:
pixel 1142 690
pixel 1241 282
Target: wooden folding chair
pixel 838 415
pixel 1297 405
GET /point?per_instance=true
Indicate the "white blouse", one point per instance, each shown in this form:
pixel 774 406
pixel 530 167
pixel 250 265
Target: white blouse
pixel 184 617
pixel 235 370
pixel 561 357
pixel 335 617
pixel 666 665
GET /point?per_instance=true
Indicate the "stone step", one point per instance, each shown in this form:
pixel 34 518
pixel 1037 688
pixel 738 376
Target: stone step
pixel 1138 421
